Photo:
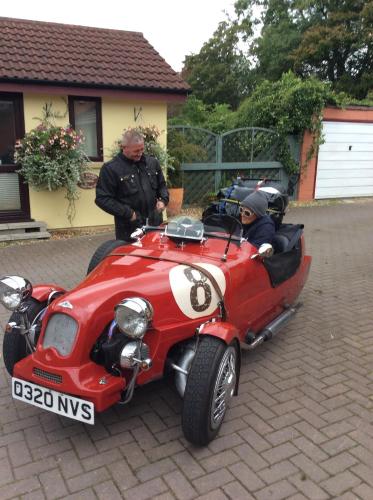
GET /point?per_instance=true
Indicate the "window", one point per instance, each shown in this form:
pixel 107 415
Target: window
pixel 14 196
pixel 85 115
pixel 8 133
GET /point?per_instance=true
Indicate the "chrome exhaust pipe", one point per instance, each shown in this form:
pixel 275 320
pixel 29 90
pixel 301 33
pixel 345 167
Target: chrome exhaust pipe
pixel 271 329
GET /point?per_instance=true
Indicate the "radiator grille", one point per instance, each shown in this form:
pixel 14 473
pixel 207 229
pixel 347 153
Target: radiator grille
pixel 52 377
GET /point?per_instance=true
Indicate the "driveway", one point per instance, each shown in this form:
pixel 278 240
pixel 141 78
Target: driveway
pixel 301 426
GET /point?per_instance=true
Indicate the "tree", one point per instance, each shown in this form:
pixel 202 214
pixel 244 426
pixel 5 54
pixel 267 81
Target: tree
pixel 217 118
pixel 337 45
pixel 220 72
pixel 279 37
pixel 329 39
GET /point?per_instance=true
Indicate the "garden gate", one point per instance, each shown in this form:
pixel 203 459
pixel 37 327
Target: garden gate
pixel 211 161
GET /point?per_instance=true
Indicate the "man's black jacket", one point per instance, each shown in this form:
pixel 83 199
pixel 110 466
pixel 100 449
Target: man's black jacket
pixel 125 186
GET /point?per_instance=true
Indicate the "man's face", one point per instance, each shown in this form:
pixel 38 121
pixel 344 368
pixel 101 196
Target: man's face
pixel 247 215
pixel 134 151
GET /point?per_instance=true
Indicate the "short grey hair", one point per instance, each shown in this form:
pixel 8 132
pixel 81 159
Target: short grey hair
pixel 132 137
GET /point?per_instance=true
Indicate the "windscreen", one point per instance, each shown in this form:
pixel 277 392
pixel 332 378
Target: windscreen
pixel 185 228
pixel 223 225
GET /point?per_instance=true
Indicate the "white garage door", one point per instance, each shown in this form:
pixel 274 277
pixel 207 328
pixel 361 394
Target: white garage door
pixel 345 161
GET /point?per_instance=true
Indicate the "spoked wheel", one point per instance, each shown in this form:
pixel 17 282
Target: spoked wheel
pixel 224 387
pixel 14 344
pixel 209 389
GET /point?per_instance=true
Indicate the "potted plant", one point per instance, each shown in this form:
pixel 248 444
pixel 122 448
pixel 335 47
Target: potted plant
pixel 182 150
pixel 175 187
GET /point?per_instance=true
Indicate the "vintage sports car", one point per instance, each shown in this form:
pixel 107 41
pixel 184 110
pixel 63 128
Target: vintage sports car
pixel 182 299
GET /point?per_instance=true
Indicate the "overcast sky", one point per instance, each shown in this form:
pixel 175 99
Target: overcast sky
pixel 175 28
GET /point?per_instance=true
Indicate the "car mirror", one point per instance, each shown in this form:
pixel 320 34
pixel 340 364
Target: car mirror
pixel 265 250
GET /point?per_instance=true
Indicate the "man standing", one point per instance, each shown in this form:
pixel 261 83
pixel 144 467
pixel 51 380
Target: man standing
pixel 132 187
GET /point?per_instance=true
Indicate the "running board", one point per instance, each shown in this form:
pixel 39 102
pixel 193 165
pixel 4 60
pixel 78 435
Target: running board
pixel 271 329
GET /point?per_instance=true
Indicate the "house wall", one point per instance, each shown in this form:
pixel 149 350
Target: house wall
pixel 309 171
pixel 117 115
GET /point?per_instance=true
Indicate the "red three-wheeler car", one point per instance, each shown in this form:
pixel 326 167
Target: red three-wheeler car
pixel 186 297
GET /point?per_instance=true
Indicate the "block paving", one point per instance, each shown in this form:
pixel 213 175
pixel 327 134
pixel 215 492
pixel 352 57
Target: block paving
pixel 300 428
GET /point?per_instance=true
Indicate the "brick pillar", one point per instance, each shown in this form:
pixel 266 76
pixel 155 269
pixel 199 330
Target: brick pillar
pixel 308 172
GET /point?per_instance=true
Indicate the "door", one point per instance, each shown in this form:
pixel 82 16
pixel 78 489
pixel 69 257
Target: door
pixel 345 161
pixel 14 195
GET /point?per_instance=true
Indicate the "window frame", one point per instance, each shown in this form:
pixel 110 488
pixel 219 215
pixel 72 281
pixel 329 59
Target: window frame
pixel 23 214
pixel 97 100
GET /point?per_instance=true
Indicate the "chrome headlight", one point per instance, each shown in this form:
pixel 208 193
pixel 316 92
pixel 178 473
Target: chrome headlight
pixel 133 316
pixel 13 291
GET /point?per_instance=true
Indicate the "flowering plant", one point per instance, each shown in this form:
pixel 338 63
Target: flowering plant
pixel 52 157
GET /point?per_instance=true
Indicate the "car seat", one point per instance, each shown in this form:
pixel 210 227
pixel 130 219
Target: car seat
pixel 288 253
pixel 280 243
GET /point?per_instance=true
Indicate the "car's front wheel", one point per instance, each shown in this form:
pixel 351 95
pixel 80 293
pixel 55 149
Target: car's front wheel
pixel 14 344
pixel 210 386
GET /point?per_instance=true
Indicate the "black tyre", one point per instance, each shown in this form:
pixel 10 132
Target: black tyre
pixel 14 344
pixel 102 251
pixel 210 386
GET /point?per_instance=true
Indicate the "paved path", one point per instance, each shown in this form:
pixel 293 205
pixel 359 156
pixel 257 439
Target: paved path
pixel 301 426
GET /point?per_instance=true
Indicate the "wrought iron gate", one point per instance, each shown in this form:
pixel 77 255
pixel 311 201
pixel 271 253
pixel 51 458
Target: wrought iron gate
pixel 210 161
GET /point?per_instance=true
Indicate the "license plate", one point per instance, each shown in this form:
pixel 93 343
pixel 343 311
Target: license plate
pixel 54 401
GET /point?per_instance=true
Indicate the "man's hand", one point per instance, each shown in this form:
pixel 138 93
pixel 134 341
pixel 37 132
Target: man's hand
pixel 160 206
pixel 133 218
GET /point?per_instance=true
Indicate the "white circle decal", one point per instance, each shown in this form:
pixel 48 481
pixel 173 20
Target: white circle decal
pixel 193 291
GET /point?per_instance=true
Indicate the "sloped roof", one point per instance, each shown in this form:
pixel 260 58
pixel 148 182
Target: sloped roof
pixel 34 51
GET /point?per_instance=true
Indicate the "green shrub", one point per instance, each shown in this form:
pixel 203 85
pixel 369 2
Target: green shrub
pixel 289 106
pixel 183 151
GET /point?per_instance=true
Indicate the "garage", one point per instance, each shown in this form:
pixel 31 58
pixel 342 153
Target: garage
pixel 345 160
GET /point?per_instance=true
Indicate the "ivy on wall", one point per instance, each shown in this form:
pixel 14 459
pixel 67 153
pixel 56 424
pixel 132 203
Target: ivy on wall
pixel 290 106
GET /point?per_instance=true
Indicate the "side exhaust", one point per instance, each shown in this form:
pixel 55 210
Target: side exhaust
pixel 271 329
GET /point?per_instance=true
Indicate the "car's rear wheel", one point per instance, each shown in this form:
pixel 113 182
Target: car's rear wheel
pixel 102 251
pixel 210 386
pixel 14 344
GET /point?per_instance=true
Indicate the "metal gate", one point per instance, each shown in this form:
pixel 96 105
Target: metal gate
pixel 211 161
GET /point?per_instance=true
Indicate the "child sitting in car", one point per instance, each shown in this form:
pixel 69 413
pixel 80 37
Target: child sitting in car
pixel 258 227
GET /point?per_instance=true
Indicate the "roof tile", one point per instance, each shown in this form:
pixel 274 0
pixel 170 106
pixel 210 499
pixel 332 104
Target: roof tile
pixel 61 53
